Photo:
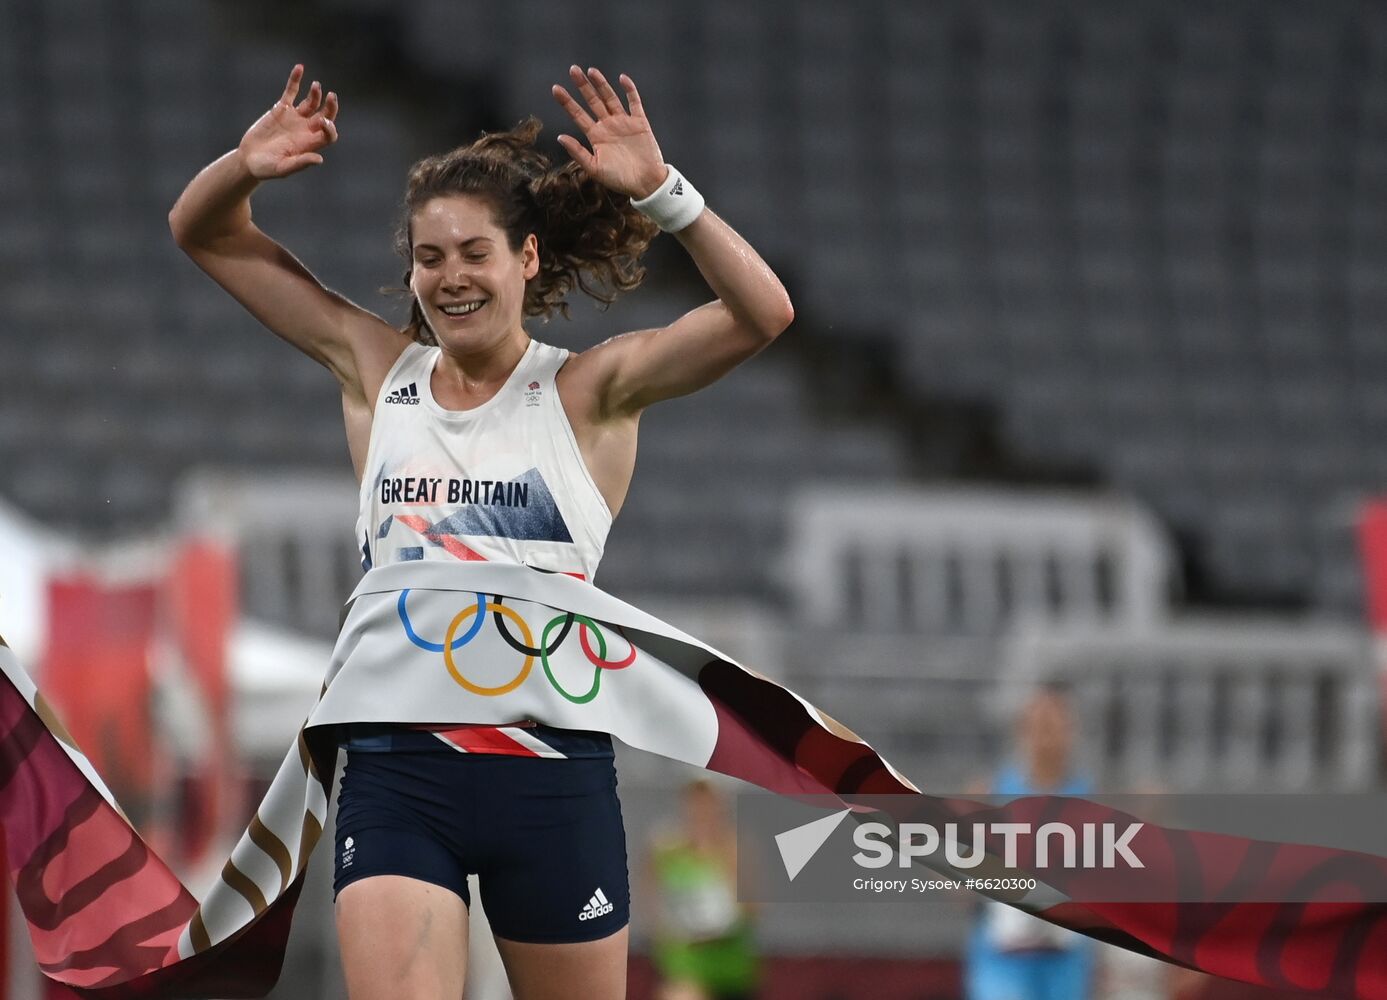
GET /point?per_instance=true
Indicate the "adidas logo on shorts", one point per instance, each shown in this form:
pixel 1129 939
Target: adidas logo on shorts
pixel 408 396
pixel 598 906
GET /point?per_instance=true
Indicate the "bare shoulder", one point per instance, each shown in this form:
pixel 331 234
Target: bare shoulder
pixel 608 355
pixel 375 347
pixel 587 376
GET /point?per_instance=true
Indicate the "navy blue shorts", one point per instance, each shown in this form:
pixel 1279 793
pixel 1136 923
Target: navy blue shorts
pixel 543 836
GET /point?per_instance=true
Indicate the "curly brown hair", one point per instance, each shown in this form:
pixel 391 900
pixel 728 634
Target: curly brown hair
pixel 589 236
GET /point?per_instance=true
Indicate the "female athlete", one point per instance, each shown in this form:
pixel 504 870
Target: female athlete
pixel 474 442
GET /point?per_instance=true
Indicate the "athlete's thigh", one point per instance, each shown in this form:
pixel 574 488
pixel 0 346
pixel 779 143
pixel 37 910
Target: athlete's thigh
pixel 401 937
pixel 593 970
pixel 554 878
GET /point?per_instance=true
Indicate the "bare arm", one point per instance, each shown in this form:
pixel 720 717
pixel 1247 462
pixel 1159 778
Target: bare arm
pixel 211 222
pixel 751 309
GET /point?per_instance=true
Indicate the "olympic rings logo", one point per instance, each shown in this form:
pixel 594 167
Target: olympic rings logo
pixel 503 616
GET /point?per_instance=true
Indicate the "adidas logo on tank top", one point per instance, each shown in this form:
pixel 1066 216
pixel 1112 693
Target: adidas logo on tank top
pixel 408 396
pixel 598 906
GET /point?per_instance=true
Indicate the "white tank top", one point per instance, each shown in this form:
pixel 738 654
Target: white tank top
pixel 503 481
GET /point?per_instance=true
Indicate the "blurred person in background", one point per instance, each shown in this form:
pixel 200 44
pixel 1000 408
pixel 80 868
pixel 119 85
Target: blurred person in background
pixel 1010 954
pixel 704 947
pixel 493 234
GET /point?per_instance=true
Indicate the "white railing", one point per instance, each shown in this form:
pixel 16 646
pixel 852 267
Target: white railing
pixel 948 561
pixel 1204 705
pixel 922 591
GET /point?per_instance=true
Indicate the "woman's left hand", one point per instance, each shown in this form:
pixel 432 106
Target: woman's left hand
pixel 625 156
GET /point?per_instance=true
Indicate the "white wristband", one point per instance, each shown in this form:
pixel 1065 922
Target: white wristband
pixel 672 205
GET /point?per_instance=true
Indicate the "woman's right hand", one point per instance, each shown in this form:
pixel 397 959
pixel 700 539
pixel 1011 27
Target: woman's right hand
pixel 287 138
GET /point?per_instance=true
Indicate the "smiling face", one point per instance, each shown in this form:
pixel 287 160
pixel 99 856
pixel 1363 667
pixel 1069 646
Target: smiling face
pixel 469 280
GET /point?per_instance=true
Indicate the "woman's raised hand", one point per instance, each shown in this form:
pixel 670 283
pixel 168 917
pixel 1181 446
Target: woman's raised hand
pixel 625 156
pixel 287 138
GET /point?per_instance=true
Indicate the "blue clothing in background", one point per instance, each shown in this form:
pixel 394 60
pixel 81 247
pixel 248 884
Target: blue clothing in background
pixel 1061 971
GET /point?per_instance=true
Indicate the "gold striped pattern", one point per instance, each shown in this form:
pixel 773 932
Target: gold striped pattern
pixel 310 766
pixel 197 933
pixel 51 720
pixel 245 887
pixel 265 839
pixel 305 761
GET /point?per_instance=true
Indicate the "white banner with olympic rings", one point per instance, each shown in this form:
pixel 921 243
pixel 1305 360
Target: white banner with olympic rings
pixel 486 643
